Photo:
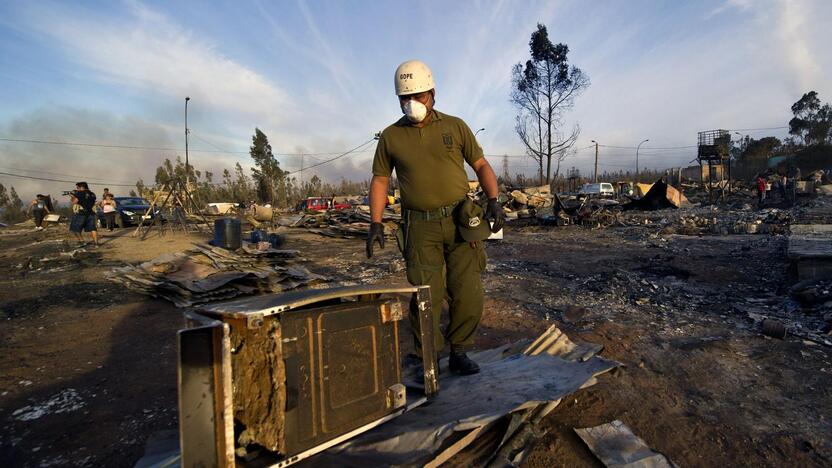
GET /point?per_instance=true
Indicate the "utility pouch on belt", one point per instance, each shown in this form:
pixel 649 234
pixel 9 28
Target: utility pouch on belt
pixel 400 238
pixel 401 232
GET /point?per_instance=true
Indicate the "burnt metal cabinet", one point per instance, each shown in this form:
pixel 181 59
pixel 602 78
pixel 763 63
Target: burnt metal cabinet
pixel 269 380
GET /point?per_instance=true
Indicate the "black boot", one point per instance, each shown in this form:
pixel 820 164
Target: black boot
pixel 461 364
pixel 416 370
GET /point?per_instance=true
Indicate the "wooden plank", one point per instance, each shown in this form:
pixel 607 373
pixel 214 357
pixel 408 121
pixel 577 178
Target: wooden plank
pixel 824 230
pixel 801 247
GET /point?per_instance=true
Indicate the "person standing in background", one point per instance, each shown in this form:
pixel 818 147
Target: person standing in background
pixel 39 208
pixel 761 190
pixel 84 217
pixel 108 207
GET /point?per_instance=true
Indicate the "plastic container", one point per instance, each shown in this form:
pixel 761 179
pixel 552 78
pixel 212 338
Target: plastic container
pixel 228 233
pixel 259 235
pixel 261 213
pixel 276 240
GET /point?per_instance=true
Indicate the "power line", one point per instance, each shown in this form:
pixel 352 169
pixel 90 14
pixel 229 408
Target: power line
pixel 191 132
pixel 148 148
pixel 60 180
pixel 79 177
pixel 336 157
pixel 755 129
pixel 529 155
pixel 114 184
pixel 693 146
pixel 93 145
pixel 649 147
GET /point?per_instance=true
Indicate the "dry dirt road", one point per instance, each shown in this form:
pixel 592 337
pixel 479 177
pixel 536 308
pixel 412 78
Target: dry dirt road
pixel 87 369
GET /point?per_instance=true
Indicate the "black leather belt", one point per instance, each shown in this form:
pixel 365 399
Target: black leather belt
pixel 438 213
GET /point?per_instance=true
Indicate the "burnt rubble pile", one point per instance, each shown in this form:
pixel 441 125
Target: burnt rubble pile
pixel 665 293
pixel 712 220
pixel 668 211
pixel 56 255
pixel 205 274
pixel 345 224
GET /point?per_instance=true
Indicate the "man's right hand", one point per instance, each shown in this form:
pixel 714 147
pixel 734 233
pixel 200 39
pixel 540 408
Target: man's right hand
pixel 376 234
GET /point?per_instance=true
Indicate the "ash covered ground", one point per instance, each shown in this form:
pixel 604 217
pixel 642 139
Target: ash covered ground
pixel 88 368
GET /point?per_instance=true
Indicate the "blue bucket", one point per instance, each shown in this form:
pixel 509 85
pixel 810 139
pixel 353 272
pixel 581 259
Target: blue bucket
pixel 259 235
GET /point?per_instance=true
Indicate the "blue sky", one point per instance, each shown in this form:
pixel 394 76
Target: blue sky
pixel 317 76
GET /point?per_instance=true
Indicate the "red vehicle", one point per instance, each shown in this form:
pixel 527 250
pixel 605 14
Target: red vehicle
pixel 321 204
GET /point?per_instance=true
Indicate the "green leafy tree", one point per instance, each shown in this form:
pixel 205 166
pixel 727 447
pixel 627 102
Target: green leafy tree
pixel 759 150
pixel 812 121
pixel 314 187
pixel 542 91
pixel 4 196
pixel 267 172
pixel 11 205
pixel 174 171
pixel 164 173
pixel 14 199
pixel 242 190
pixel 141 189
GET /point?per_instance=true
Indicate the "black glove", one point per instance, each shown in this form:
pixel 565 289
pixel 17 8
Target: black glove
pixel 494 213
pixel 376 234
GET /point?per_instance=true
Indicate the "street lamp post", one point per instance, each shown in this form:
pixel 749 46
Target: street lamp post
pixel 637 148
pixel 187 167
pixel 595 174
pixel 478 131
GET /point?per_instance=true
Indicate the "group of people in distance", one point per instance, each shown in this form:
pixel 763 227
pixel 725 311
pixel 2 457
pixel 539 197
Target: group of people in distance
pixel 784 185
pixel 83 211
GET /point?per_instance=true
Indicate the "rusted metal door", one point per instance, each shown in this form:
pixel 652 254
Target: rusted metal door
pixel 342 368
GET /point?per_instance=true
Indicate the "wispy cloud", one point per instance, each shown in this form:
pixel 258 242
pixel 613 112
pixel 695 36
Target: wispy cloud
pixel 799 49
pixel 150 53
pixel 338 70
pixel 728 5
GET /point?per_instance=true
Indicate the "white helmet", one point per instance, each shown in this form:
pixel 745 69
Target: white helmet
pixel 413 77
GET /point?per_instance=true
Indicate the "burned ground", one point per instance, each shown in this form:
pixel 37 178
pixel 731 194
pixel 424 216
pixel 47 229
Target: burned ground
pixel 88 372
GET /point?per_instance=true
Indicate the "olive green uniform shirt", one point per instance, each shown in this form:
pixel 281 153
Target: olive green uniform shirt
pixel 429 161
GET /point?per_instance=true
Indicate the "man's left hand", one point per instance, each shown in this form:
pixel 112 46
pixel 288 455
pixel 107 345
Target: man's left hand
pixel 494 214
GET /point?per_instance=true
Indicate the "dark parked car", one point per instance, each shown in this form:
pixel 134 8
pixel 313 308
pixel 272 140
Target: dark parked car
pixel 130 211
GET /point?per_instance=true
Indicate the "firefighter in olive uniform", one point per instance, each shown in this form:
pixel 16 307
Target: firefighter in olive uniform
pixel 443 231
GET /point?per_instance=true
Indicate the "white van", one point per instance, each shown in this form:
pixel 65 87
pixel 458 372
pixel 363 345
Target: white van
pixel 603 189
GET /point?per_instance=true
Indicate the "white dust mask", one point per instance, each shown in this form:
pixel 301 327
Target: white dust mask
pixel 415 111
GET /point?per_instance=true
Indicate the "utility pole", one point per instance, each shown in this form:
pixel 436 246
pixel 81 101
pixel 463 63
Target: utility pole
pixel 637 148
pixel 301 174
pixel 505 170
pixel 187 167
pixel 595 176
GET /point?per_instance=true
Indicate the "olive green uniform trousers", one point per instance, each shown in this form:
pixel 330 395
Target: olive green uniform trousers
pixel 437 256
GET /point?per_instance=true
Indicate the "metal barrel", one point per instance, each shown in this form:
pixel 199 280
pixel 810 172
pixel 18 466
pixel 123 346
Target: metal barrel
pixel 228 233
pixel 774 328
